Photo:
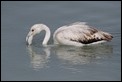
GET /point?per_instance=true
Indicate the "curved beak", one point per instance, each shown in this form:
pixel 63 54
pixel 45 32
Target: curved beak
pixel 29 38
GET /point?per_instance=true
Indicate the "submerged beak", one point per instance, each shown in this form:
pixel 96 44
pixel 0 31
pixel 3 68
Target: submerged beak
pixel 29 38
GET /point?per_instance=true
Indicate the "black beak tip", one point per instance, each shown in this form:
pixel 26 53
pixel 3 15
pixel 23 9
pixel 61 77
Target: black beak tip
pixel 27 43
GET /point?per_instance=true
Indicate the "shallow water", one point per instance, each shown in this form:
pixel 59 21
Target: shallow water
pixel 36 63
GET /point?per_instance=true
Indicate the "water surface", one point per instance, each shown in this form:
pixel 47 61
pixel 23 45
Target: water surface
pixel 37 63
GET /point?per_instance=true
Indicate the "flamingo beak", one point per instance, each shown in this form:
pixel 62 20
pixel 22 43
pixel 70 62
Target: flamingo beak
pixel 29 38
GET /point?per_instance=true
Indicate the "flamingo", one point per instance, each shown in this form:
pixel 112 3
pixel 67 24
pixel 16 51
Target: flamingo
pixel 75 34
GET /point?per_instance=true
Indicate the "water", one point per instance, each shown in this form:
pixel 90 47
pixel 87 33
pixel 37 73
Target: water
pixel 38 63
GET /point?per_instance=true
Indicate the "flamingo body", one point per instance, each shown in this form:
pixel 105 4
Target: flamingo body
pixel 76 34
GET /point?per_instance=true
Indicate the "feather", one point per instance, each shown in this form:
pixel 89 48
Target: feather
pixel 82 33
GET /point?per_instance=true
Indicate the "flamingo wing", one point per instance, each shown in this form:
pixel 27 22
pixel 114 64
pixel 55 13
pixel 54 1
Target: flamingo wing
pixel 82 33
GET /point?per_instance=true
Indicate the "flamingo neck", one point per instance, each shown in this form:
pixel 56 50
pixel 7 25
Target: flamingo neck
pixel 47 35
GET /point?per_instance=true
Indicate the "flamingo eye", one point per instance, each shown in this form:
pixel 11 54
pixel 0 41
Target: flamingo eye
pixel 32 30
